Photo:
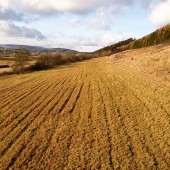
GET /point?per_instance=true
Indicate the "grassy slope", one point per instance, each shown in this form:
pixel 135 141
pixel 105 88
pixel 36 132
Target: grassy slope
pixel 107 113
pixel 159 36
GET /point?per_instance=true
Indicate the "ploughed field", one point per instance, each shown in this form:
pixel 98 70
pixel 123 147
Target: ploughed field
pixel 106 113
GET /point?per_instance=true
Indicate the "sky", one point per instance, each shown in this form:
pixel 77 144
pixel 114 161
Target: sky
pixel 80 25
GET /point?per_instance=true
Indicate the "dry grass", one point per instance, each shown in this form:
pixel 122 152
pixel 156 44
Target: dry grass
pixel 4 62
pixel 7 70
pixel 3 66
pixel 98 114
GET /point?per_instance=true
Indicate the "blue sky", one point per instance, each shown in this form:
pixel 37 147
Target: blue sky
pixel 79 25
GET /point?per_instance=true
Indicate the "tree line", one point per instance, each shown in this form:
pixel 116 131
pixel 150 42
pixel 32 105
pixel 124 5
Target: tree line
pixel 45 60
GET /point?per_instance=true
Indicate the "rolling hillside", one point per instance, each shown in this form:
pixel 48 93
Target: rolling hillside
pixel 106 113
pixel 36 48
pixel 115 48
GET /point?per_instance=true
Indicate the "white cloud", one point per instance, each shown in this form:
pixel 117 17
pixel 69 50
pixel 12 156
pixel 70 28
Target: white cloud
pixel 11 15
pixel 74 22
pixel 148 3
pixel 111 10
pixel 98 23
pixel 160 13
pixel 12 30
pixel 3 4
pixel 105 16
pixel 110 39
pixel 87 43
pixel 57 6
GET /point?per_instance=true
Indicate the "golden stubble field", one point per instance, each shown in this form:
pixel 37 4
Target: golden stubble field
pixel 107 113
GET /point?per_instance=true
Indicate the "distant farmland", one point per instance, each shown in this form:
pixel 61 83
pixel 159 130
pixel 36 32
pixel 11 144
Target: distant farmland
pixel 107 113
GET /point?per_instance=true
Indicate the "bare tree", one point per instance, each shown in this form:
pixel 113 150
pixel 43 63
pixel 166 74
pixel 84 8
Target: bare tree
pixel 21 60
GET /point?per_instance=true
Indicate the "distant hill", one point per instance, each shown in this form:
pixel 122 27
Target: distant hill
pixel 159 36
pixel 26 47
pixel 61 50
pixel 36 48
